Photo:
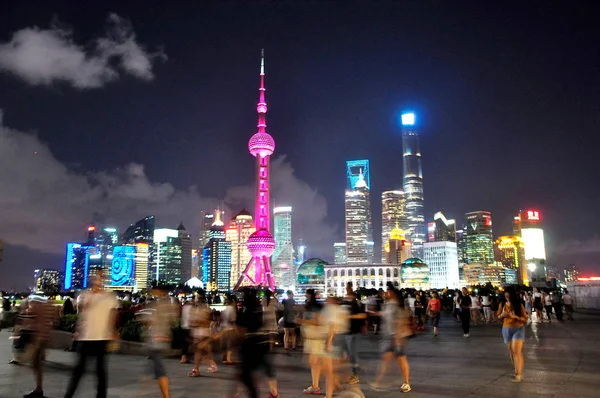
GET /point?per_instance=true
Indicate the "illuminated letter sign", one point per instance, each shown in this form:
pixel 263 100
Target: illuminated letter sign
pixel 533 215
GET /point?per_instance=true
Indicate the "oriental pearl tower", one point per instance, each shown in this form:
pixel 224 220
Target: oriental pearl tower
pixel 261 243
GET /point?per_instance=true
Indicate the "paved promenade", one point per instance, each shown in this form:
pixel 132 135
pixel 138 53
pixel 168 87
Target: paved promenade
pixel 561 360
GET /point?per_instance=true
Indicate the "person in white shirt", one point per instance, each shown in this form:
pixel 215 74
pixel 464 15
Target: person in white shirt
pixel 567 300
pixel 185 331
pixel 475 308
pixel 200 321
pixel 487 308
pixel 96 327
pixel 336 321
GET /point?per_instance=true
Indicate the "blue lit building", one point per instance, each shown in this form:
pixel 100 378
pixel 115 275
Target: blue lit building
pixel 216 261
pixel 77 264
pixel 413 184
pixel 354 170
pixel 123 266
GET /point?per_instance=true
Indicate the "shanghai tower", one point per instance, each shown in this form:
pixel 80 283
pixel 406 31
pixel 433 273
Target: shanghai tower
pixel 413 184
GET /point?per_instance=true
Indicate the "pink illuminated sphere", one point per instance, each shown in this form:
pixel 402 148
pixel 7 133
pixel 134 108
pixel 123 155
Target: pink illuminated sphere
pixel 261 243
pixel 261 144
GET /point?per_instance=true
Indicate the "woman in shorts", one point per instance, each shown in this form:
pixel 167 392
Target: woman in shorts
pixel 434 309
pixel 514 318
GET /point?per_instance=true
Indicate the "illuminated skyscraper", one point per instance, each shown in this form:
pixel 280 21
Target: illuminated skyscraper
pixel 528 224
pixel 237 233
pixel 441 229
pixel 123 267
pixel 217 258
pixel 358 215
pixel 571 273
pixel 299 253
pixel 397 249
pixel 339 253
pixel 442 258
pixel 413 184
pixel 106 240
pixel 510 251
pixel 283 256
pixel 261 243
pixel 142 256
pixel 77 260
pixel 186 253
pixel 393 215
pixel 479 241
pixel 167 256
pixel 141 231
pixel 207 221
pixel 47 281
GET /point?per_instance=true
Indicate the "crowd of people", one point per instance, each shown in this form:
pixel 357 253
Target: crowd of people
pixel 248 328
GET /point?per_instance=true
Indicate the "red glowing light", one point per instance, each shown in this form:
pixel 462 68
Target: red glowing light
pixel 91 228
pixel 533 215
pixel 591 278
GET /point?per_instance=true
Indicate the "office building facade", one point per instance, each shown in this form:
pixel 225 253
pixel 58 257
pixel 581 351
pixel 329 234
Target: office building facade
pixel 217 259
pixel 528 224
pixel 441 229
pixel 442 259
pixel 283 256
pixel 393 215
pixel 339 253
pixel 47 281
pixel 167 254
pixel 237 233
pixel 358 222
pixel 478 238
pixel 510 252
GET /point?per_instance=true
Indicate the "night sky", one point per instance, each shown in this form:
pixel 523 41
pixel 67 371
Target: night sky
pixel 113 110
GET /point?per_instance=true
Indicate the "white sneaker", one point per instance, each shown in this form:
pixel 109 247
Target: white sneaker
pixel 466 335
pixel 405 387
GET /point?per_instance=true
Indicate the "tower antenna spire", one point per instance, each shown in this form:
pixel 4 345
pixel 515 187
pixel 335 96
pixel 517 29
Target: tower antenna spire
pixel 261 107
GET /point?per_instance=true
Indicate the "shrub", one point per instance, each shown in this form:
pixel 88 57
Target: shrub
pixel 132 331
pixel 67 323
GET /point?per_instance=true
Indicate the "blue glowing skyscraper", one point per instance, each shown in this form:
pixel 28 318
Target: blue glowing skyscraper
pixel 413 184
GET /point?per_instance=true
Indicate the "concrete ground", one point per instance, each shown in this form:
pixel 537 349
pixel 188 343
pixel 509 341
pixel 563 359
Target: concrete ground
pixel 561 360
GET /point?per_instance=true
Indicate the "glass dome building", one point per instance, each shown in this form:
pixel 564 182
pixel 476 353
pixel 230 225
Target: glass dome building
pixel 414 274
pixel 311 275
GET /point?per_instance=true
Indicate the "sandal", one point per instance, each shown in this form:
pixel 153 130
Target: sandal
pixel 194 373
pixel 212 369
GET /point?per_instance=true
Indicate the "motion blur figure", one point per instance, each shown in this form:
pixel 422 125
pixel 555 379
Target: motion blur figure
pixel 254 348
pixel 161 319
pixel 97 316
pixel 40 326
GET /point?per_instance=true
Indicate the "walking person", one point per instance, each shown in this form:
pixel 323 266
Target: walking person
pixel 557 305
pixel 270 306
pixel 456 300
pixel 514 319
pixel 419 310
pixel 41 327
pixel 538 305
pixel 336 320
pixel 159 336
pixel 396 328
pixel 465 312
pixel 200 321
pixel 186 310
pixel 97 314
pixel 568 301
pixel 547 305
pixel 475 308
pixel 314 339
pixel 351 339
pixel 434 309
pixel 289 322
pixel 254 348
pixel 486 303
pixel 527 300
pixel 227 328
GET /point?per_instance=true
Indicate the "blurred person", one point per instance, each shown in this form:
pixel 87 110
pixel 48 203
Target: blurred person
pixel 475 308
pixel 486 304
pixel 396 328
pixel 185 336
pixel 314 339
pixel 568 301
pixel 227 328
pixel 547 305
pixel 68 307
pixel 289 322
pixel 527 301
pixel 419 310
pixel 96 328
pixel 159 336
pixel 41 327
pixel 465 312
pixel 200 320
pixel 357 319
pixel 335 319
pixel 538 305
pixel 254 348
pixel 514 318
pixel 434 309
pixel 557 305
pixel 456 300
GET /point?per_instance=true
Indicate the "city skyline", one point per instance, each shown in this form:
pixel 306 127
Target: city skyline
pixel 114 148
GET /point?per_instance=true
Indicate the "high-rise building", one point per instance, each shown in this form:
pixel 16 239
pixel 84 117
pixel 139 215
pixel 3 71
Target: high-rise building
pixel 167 256
pixel 106 240
pixel 571 273
pixel 397 249
pixel 283 256
pixel 413 184
pixel 357 205
pixel 442 258
pixel 186 253
pixel 47 281
pixel 482 274
pixel 76 266
pixel 217 258
pixel 142 256
pixel 441 229
pixel 141 231
pixel 510 251
pixel 299 253
pixel 208 219
pixel 479 241
pixel 196 263
pixel 357 170
pixel 123 267
pixel 261 243
pixel 339 253
pixel 237 233
pixel 528 223
pixel 393 215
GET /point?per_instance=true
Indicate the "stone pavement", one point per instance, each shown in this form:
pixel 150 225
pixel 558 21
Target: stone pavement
pixel 561 360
